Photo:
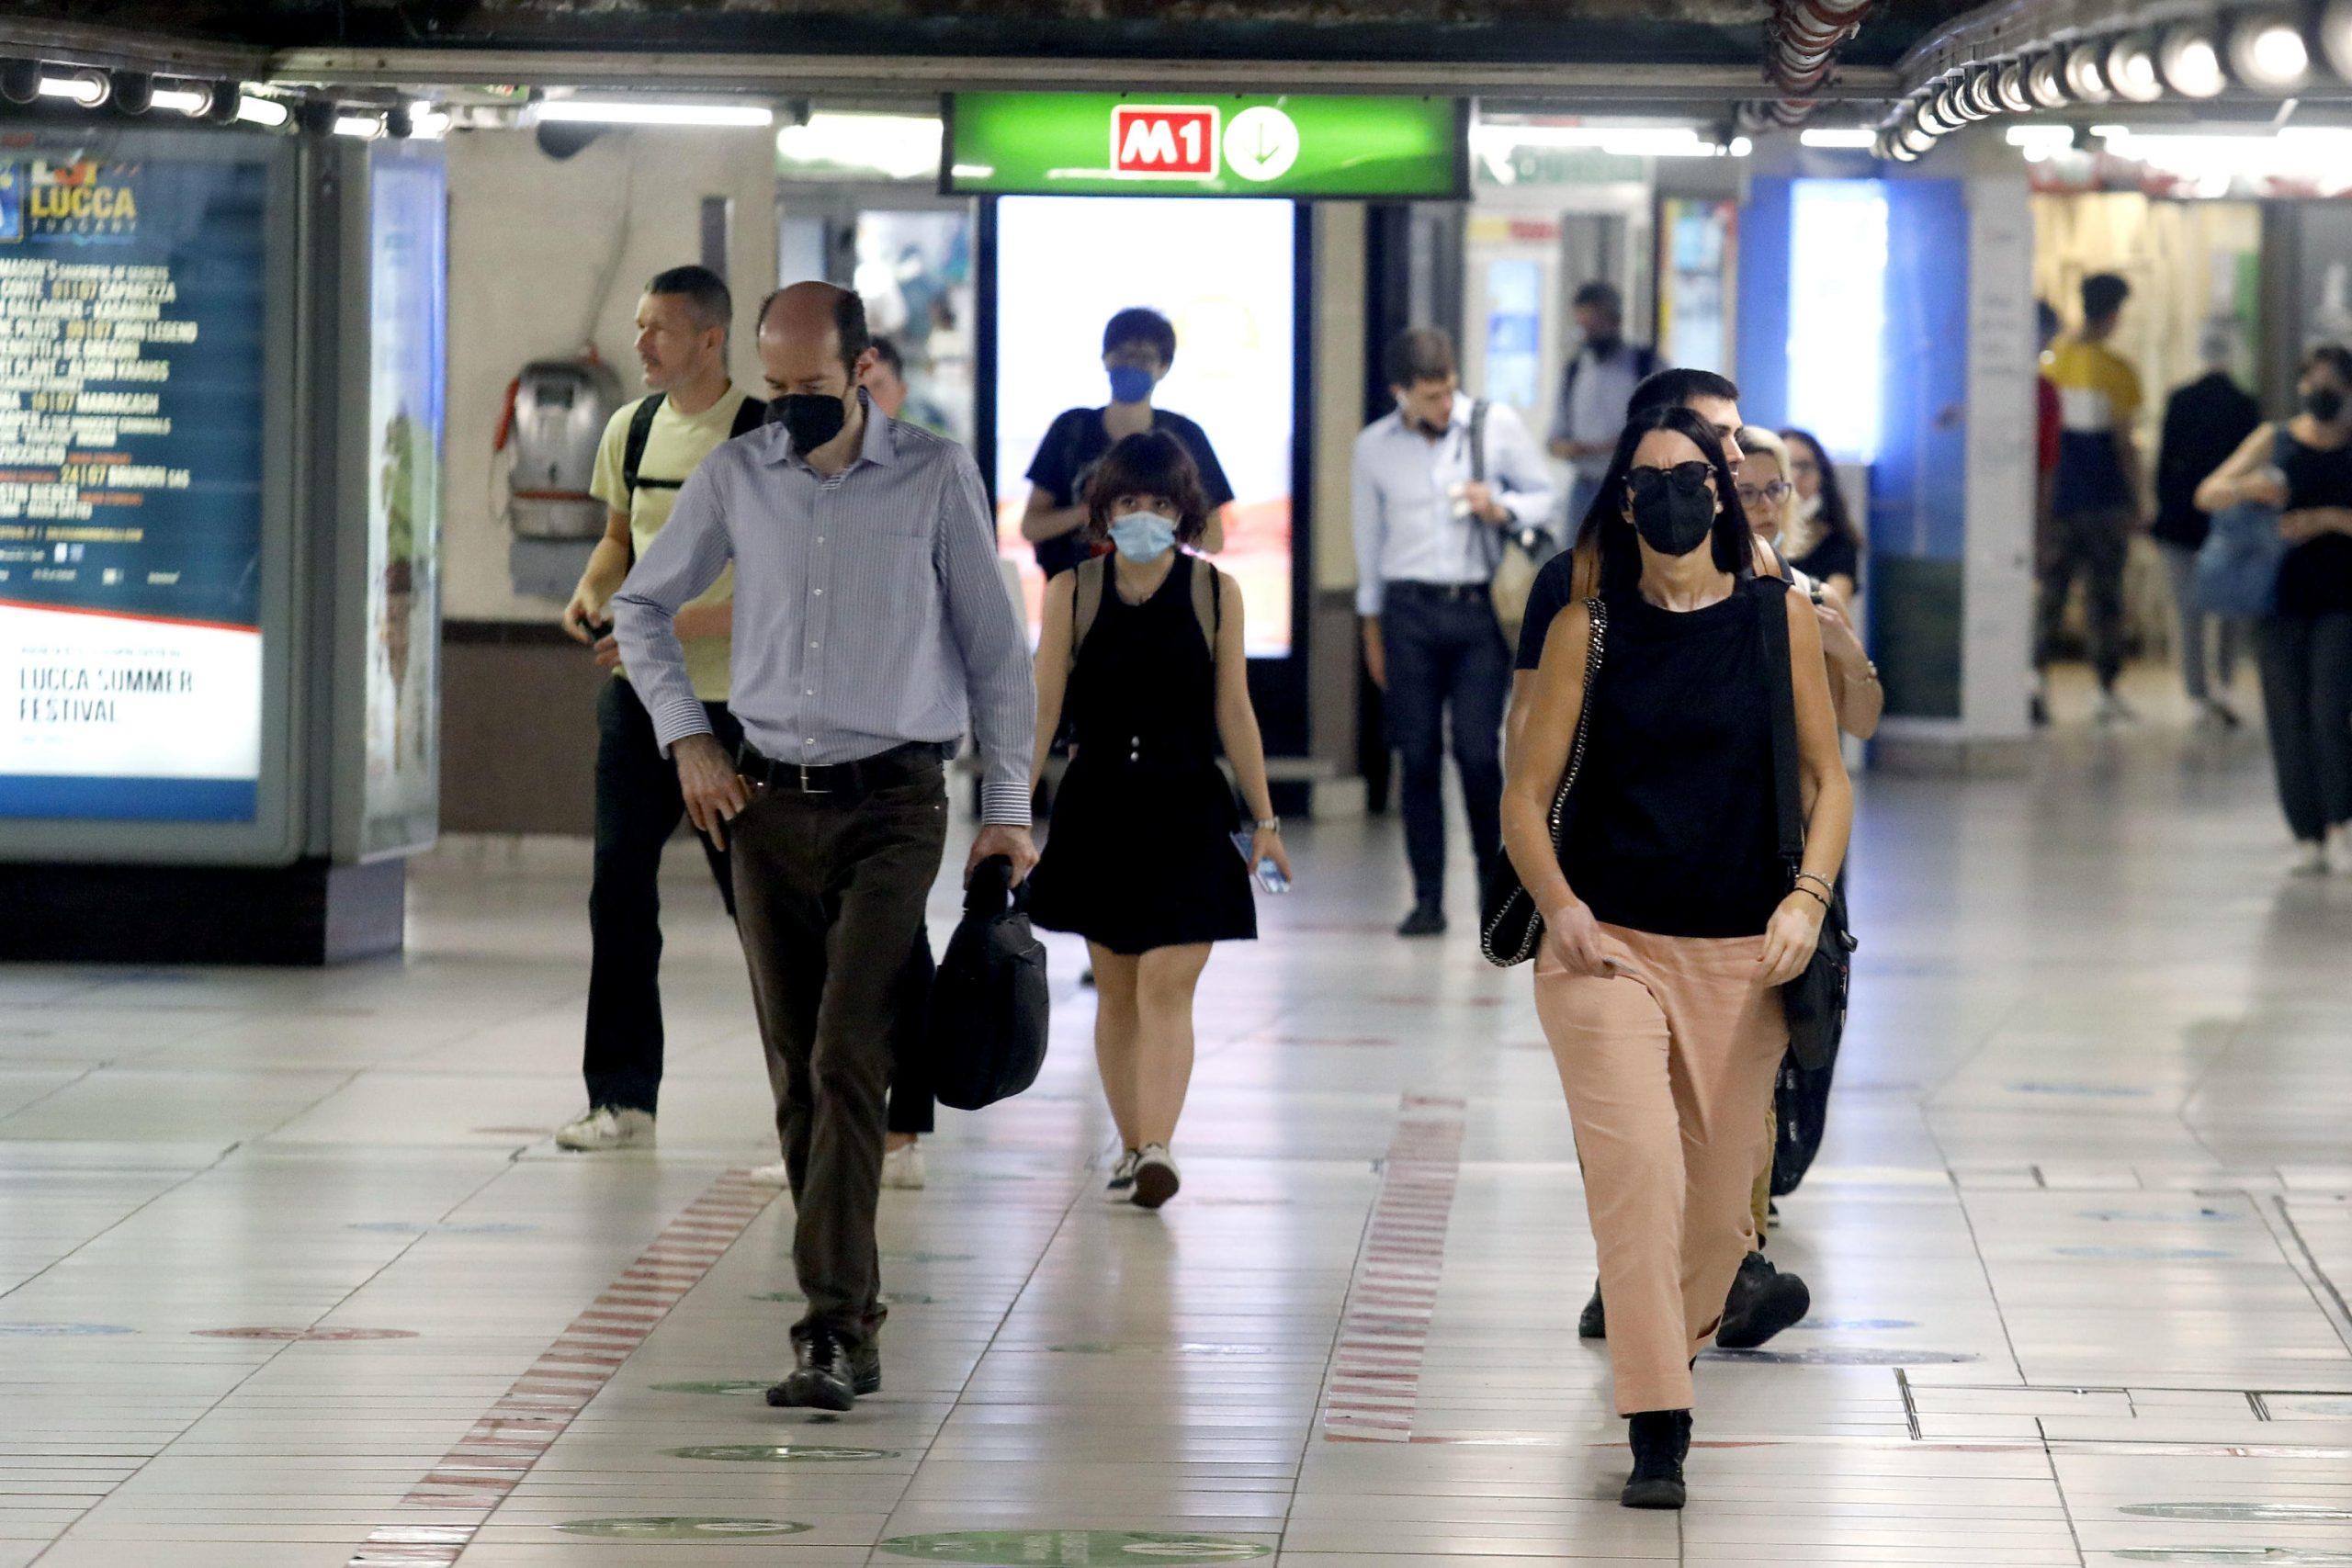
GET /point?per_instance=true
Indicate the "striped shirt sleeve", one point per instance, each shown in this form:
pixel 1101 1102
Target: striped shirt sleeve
pixel 684 558
pixel 989 640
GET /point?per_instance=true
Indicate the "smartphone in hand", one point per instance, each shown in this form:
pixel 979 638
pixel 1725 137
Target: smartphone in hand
pixel 1270 875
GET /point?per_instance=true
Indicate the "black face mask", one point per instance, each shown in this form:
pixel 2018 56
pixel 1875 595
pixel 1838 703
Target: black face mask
pixel 2324 404
pixel 1604 347
pixel 1673 511
pixel 811 419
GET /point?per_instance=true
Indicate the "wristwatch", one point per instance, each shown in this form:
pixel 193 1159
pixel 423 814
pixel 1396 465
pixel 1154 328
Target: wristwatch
pixel 1268 825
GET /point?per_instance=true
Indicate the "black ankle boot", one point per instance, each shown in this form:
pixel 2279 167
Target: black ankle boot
pixel 1661 1439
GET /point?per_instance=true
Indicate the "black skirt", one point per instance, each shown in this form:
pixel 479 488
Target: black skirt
pixel 1138 857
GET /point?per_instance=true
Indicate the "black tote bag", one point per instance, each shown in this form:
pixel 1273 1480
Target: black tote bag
pixel 990 1005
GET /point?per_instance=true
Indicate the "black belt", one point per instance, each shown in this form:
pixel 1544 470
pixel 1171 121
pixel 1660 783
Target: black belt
pixel 1439 593
pixel 899 766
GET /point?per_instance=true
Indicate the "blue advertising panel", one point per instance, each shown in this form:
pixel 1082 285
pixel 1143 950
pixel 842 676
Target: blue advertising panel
pixel 131 387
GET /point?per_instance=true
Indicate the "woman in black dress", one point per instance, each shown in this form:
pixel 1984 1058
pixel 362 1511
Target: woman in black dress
pixel 1147 647
pixel 2303 467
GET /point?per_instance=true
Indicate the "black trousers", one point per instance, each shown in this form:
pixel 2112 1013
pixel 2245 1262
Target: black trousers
pixel 2307 704
pixel 638 808
pixel 1449 672
pixel 2095 544
pixel 829 890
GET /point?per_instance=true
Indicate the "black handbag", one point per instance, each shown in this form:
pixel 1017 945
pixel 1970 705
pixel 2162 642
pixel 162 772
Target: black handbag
pixel 1511 926
pixel 989 1005
pixel 1816 999
pixel 1799 1116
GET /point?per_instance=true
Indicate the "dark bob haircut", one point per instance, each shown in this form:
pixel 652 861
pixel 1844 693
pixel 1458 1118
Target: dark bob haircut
pixel 1139 324
pixel 1154 463
pixel 1608 525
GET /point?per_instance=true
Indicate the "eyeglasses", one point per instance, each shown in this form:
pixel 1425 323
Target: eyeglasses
pixel 1777 492
pixel 1688 479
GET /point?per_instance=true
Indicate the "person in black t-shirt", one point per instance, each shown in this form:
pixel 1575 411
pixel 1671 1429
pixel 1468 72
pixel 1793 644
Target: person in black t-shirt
pixel 1138 349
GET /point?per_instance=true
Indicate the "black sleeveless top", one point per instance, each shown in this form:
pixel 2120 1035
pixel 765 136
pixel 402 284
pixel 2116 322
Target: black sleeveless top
pixel 2316 576
pixel 1672 827
pixel 1145 687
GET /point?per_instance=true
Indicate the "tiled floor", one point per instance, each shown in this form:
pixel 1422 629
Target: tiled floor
pixel 2079 1246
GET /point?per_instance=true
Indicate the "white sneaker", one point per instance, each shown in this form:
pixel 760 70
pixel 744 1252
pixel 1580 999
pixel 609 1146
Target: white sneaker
pixel 1156 1177
pixel 607 1127
pixel 1122 1188
pixel 2311 857
pixel 902 1168
pixel 776 1175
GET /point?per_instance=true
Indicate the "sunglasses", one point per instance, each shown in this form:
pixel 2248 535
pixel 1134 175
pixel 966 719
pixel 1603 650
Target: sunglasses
pixel 1775 492
pixel 1686 479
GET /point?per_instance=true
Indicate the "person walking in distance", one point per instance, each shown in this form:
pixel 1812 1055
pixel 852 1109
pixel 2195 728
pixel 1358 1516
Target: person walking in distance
pixel 1148 647
pixel 1436 484
pixel 873 627
pixel 1595 390
pixel 648 448
pixel 1820 537
pixel 1669 918
pixel 2303 467
pixel 2095 501
pixel 2205 422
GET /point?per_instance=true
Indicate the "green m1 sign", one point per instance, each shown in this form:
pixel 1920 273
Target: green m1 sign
pixel 1297 146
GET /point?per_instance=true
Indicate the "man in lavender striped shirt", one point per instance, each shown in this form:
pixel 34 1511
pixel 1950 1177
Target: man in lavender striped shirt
pixel 871 626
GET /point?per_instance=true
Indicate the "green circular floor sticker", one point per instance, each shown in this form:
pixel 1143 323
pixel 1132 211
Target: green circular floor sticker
pixel 674 1528
pixel 1073 1549
pixel 778 1453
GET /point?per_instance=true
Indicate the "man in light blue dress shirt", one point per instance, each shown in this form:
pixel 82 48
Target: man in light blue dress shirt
pixel 871 630
pixel 1438 484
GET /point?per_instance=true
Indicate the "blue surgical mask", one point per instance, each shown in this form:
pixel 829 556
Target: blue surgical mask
pixel 1142 537
pixel 1130 384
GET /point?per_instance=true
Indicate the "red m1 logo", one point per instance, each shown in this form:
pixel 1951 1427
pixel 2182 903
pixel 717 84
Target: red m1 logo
pixel 1164 143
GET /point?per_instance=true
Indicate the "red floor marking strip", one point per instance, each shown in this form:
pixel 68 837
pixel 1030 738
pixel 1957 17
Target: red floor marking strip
pixel 476 1475
pixel 1384 1331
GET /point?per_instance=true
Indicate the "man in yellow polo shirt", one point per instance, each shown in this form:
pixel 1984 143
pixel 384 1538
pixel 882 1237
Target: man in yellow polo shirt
pixel 2098 494
pixel 648 448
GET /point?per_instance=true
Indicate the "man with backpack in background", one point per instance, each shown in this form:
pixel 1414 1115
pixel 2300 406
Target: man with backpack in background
pixel 1596 388
pixel 1441 486
pixel 648 448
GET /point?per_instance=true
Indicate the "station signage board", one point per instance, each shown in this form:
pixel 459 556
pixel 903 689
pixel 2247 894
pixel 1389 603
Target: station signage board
pixel 1294 146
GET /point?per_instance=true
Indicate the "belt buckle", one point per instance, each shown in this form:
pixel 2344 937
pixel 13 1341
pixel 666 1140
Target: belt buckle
pixel 805 786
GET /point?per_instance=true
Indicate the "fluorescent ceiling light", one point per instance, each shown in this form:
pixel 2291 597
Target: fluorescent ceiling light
pixel 2040 141
pixel 427 123
pixel 904 146
pixel 87 88
pixel 1826 136
pixel 365 127
pixel 1618 141
pixel 262 111
pixel 189 101
pixel 622 111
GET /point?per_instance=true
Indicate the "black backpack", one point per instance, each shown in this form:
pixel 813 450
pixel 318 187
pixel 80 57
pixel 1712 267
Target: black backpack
pixel 990 1005
pixel 748 418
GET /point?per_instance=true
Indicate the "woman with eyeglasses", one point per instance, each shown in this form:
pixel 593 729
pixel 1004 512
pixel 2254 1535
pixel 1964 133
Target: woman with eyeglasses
pixel 1670 920
pixel 1824 541
pixel 1770 499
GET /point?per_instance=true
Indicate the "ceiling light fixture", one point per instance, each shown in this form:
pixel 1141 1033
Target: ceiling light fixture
pixel 2045 81
pixel 1983 91
pixel 2132 68
pixel 360 127
pixel 2009 86
pixel 2190 60
pixel 265 112
pixel 2267 51
pixel 620 111
pixel 2334 32
pixel 193 99
pixel 87 88
pixel 2085 80
pixel 1839 137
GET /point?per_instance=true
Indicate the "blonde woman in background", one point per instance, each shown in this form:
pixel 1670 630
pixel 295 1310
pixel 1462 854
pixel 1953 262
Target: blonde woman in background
pixel 1767 493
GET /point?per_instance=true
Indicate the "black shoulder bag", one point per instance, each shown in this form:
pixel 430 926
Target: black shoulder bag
pixel 1512 926
pixel 1816 999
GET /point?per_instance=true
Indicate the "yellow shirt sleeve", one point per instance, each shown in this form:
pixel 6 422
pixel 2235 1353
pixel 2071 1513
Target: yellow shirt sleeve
pixel 605 484
pixel 2123 388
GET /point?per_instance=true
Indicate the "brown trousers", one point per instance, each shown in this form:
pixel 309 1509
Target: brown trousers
pixel 830 892
pixel 1669 1068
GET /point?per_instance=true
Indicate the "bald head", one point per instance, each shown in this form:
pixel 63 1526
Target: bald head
pixel 813 338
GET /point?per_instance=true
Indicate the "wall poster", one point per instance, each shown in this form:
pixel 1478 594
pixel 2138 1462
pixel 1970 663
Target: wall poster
pixel 131 364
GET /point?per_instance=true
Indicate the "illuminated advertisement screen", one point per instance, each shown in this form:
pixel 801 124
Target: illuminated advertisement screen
pixel 1221 271
pixel 131 479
